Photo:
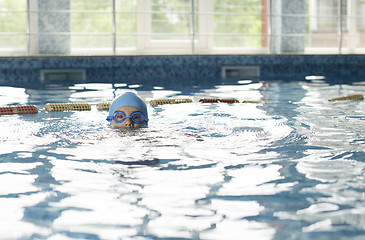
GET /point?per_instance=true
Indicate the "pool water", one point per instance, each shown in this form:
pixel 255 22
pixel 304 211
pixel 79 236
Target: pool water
pixel 291 167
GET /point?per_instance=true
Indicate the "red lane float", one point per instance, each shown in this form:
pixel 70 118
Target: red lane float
pixel 27 109
pixel 218 100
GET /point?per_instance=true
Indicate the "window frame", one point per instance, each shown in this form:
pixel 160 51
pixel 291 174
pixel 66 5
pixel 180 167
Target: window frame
pixel 200 42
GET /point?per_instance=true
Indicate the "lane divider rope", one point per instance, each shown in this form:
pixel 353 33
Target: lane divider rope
pixel 26 109
pixel 218 100
pixel 103 106
pixel 349 97
pixel 59 107
pixel 252 101
pixel 162 101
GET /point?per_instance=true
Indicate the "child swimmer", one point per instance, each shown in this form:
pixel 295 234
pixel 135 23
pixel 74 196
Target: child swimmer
pixel 128 111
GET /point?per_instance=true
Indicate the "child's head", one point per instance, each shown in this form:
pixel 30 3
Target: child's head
pixel 128 111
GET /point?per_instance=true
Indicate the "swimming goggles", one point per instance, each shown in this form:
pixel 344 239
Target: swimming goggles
pixel 119 117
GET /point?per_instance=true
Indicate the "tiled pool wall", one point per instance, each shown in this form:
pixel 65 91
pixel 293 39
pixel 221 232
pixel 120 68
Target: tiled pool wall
pixel 27 70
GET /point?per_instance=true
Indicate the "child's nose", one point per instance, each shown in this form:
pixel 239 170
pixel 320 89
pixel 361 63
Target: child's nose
pixel 128 122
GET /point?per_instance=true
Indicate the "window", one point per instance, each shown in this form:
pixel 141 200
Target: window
pixel 239 24
pixel 126 24
pixel 91 26
pixel 13 26
pixel 323 24
pixel 171 20
pixel 166 26
pixel 134 27
pixel 103 26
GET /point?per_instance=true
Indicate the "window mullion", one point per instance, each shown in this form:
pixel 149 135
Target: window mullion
pixel 114 29
pixel 33 26
pixel 352 25
pixel 143 24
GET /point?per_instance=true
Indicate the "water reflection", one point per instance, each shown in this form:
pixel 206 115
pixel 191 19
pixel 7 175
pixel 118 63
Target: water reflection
pixel 283 169
pixel 336 162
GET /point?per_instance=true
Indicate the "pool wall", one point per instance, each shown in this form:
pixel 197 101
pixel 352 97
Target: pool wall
pixel 27 70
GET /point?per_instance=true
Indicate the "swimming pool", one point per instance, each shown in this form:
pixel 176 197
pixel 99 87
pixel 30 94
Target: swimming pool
pixel 291 167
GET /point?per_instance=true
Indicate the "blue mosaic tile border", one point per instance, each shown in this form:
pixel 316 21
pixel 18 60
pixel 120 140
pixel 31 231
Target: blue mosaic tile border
pixel 156 69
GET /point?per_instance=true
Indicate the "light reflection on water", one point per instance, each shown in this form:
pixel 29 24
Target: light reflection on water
pixel 292 168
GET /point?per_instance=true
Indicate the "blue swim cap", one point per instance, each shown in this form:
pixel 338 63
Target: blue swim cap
pixel 128 99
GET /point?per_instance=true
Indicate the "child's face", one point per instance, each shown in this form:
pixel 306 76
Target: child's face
pixel 127 123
